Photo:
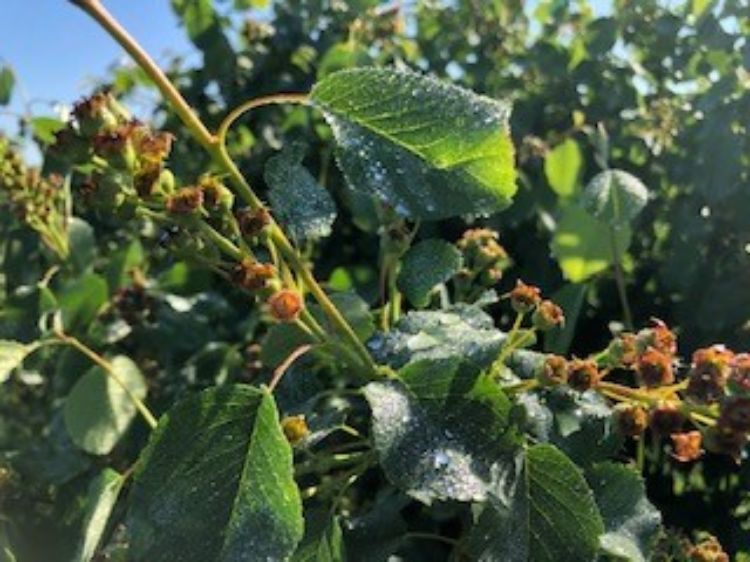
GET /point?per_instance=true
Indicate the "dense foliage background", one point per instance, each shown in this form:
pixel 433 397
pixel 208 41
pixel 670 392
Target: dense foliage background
pixel 659 89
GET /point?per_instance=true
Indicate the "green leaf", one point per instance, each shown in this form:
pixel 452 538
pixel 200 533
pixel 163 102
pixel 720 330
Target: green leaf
pixel 204 29
pixel 429 149
pixel 12 354
pixel 463 331
pixel 98 411
pixel 229 496
pixel 44 128
pixel 631 522
pixel 322 541
pixel 552 515
pixel 443 432
pixel 615 197
pixel 82 244
pixel 425 266
pixel 7 81
pixel 582 244
pixel 570 298
pixel 301 204
pixel 81 299
pixel 100 501
pixel 563 167
pixel 579 424
pixel 122 263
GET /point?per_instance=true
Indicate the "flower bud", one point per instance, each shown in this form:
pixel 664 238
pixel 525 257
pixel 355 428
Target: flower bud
pixel 739 378
pixel 554 371
pixel 285 305
pixel 116 146
pixel 185 200
pixel 217 196
pixel 295 429
pixel 547 316
pixel 666 419
pixel 253 275
pixel 708 550
pixel 686 447
pixel 524 298
pixel 659 336
pixel 709 373
pixel 654 368
pixel 631 420
pixel 97 113
pixel 252 222
pixel 623 351
pixel 153 147
pixel 583 374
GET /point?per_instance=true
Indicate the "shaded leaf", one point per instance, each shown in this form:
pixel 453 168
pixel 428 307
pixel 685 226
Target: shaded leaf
pixel 426 265
pixel 322 541
pixel 82 244
pixel 615 197
pixel 98 411
pixel 582 244
pixel 230 496
pixel 443 432
pixel 631 522
pixel 81 299
pixel 429 149
pixel 563 167
pixel 100 501
pixel 301 204
pixel 581 425
pixel 551 516
pixel 571 298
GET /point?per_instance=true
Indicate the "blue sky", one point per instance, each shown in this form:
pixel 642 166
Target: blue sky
pixel 57 51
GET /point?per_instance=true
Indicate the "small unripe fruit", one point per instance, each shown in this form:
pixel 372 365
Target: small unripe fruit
pixel 709 373
pixel 253 222
pixel 216 195
pixel 553 371
pixel 623 351
pixel 524 298
pixel 285 305
pixel 739 378
pixel 659 336
pixel 252 275
pixel 295 429
pixel 708 550
pixel 631 420
pixel 654 368
pixel 547 316
pixel 686 447
pixel 185 200
pixel 583 374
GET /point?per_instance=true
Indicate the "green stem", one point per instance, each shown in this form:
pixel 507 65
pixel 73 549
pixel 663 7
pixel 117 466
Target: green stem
pixel 620 279
pixel 112 373
pixel 218 151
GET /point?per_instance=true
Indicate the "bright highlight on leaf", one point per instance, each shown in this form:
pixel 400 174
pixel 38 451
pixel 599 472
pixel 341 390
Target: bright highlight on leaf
pixel 302 205
pixel 615 197
pixel 562 166
pixel 428 149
